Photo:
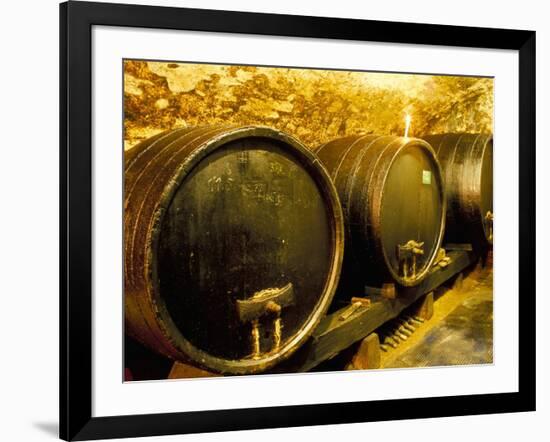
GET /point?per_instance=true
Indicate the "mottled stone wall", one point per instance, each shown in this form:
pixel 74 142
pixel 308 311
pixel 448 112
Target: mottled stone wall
pixel 313 105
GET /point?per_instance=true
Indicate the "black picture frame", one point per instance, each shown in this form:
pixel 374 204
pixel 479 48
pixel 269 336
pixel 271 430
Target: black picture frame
pixel 76 21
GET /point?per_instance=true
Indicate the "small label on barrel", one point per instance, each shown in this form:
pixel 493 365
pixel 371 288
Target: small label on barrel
pixel 426 177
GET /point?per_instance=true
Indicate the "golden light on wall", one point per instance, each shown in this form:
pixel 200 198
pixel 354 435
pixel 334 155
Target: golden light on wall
pixel 407 125
pixel 312 105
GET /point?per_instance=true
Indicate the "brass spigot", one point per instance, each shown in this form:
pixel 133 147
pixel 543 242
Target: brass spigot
pixel 263 303
pixel 489 219
pixel 406 254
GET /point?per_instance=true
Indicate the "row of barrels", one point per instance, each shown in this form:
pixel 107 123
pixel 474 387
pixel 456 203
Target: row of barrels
pixel 234 236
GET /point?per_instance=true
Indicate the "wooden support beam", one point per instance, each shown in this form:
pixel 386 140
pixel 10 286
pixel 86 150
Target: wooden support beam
pixel 352 323
pixel 183 371
pixel 426 307
pixel 367 355
pixel 386 291
pixel 458 284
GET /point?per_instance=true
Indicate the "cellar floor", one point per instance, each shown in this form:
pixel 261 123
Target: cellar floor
pixel 459 333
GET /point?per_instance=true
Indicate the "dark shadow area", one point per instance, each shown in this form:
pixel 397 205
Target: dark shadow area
pixel 142 364
pixel 49 428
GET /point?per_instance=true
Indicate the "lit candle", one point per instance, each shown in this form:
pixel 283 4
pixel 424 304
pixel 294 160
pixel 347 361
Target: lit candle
pixel 407 124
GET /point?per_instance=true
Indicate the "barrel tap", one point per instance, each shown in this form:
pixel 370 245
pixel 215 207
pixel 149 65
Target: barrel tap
pixel 406 254
pixel 489 219
pixel 267 302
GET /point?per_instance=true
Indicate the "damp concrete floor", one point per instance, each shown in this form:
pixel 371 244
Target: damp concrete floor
pixel 459 333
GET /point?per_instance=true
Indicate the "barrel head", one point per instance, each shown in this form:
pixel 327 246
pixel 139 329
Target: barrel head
pixel 467 163
pixel 249 217
pixel 486 191
pixel 412 211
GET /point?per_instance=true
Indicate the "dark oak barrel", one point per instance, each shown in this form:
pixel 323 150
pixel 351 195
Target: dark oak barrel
pixel 233 246
pixel 391 191
pixel 467 163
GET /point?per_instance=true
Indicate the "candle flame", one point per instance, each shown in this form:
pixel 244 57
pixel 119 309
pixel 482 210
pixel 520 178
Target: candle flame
pixel 407 125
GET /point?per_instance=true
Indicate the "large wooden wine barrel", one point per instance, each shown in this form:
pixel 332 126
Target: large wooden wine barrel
pixel 233 246
pixel 467 163
pixel 392 196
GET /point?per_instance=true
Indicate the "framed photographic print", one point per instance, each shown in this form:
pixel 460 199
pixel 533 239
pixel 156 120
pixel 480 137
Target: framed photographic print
pixel 272 220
